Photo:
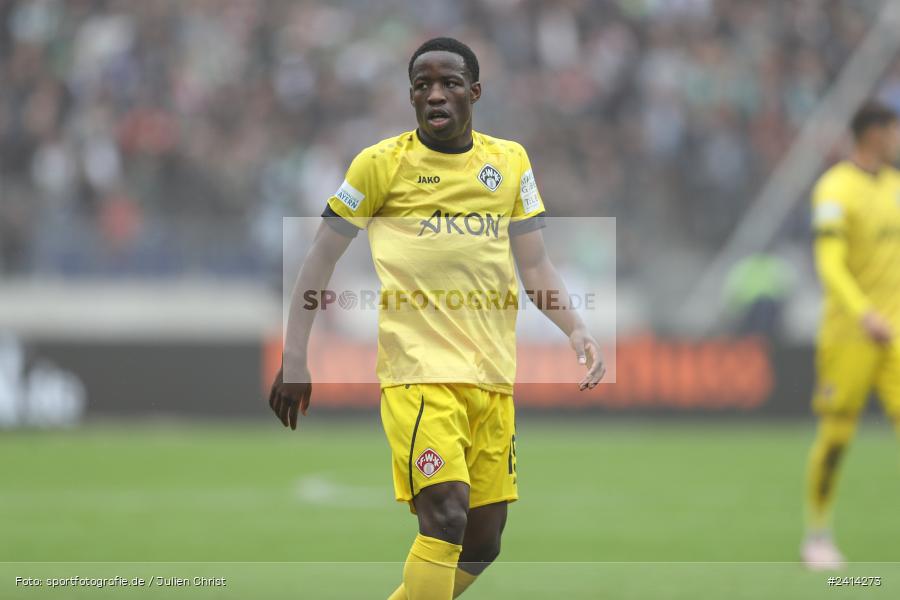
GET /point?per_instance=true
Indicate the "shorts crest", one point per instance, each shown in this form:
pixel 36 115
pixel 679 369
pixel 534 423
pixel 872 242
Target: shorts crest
pixel 429 462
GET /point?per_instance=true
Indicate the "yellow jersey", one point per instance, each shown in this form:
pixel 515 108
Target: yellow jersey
pixel 439 225
pixel 856 218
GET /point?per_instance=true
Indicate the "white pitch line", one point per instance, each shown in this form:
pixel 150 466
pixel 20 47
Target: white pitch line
pixel 320 489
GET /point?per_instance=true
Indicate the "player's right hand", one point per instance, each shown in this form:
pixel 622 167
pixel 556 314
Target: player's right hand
pixel 287 398
pixel 877 327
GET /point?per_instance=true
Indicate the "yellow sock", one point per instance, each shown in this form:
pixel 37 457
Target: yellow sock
pixel 429 570
pixel 833 435
pixel 462 582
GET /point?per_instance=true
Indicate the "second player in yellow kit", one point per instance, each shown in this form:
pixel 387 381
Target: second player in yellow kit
pixel 856 222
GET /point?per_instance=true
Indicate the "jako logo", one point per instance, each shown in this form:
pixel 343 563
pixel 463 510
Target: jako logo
pixel 429 179
pixel 474 223
pixel 429 462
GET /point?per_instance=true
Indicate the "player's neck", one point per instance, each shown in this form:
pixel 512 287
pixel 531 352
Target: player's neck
pixel 458 145
pixel 866 161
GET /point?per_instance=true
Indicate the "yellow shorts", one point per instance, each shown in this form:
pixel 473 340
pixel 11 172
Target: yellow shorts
pixel 443 432
pixel 848 372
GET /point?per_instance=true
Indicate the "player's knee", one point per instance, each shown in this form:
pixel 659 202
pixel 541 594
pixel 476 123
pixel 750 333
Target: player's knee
pixel 443 511
pixel 450 519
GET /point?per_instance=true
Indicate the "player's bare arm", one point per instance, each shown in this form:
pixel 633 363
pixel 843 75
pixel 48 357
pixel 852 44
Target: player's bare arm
pixel 286 399
pixel 538 273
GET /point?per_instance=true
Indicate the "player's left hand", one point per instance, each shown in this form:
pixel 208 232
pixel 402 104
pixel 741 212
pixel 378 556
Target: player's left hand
pixel 588 352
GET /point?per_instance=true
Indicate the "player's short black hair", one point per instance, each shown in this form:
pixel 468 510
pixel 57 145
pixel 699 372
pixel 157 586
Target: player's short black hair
pixel 871 114
pixel 448 44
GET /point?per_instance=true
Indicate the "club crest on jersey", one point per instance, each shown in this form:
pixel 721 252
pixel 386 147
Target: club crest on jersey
pixel 490 177
pixel 429 462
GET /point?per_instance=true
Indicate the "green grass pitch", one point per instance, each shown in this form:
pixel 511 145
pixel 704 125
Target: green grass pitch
pixel 608 509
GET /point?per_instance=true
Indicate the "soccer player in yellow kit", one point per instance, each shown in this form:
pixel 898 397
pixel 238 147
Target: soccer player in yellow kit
pixel 450 213
pixel 856 217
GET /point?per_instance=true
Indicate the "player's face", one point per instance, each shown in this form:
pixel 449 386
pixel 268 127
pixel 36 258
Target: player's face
pixel 443 96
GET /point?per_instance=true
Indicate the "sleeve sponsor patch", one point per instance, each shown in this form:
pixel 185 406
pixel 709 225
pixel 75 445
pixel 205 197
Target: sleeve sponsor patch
pixel 531 200
pixel 827 212
pixel 349 195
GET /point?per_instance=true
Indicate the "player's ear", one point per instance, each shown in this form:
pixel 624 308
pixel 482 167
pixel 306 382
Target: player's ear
pixel 411 103
pixel 474 92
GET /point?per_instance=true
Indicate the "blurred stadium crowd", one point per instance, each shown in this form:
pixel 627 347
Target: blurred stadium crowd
pixel 170 136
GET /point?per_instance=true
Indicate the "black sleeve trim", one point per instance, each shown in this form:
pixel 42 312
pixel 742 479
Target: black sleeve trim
pixel 530 224
pixel 339 223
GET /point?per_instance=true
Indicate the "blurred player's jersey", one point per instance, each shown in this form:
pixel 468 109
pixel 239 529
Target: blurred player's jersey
pixel 439 225
pixel 862 209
